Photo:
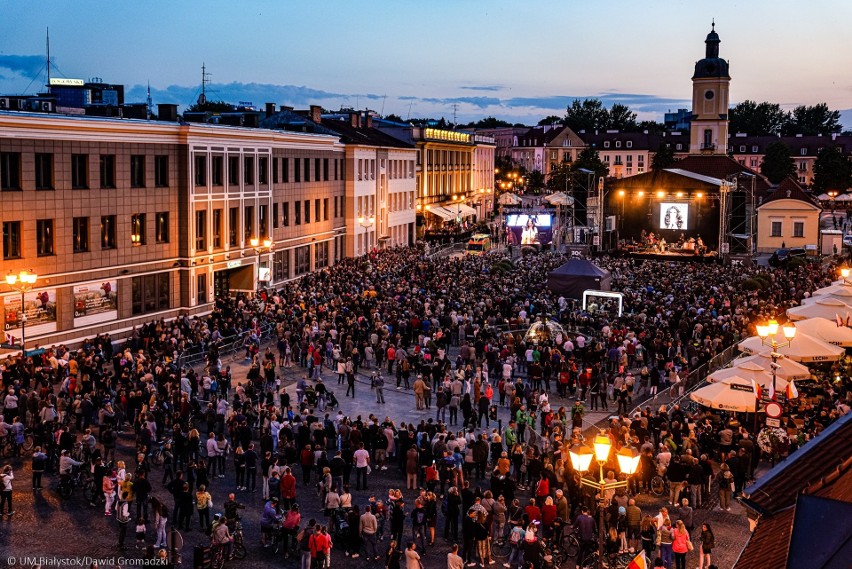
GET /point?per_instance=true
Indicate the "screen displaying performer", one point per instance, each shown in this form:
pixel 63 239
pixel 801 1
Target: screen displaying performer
pixel 674 216
pixel 530 229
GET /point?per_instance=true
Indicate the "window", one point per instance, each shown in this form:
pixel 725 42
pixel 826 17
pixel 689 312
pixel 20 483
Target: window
pixel 11 239
pixel 275 216
pixel 80 171
pixel 44 237
pixel 321 259
pixel 742 148
pixel 263 220
pixel 335 206
pixel 263 170
pixel 233 170
pixel 137 229
pixel 217 167
pixel 44 171
pixel 776 229
pixel 201 230
pixel 335 166
pixel 317 166
pixel 298 212
pixel 217 228
pixel 804 151
pixel 233 226
pixel 248 223
pixel 80 234
pixel 317 210
pixel 303 260
pixel 629 144
pixel 107 168
pixel 108 232
pixel 161 227
pixel 618 144
pixel 137 171
pixel 10 171
pixel 679 146
pixel 248 172
pixel 606 144
pixel 307 211
pixel 798 229
pixel 161 171
pixel 285 214
pixel 281 265
pixel 297 170
pixel 200 170
pixel 754 148
pixel 325 209
pixel 201 288
pixel 803 166
pixel 325 169
pixel 275 171
pixel 307 169
pixel 150 293
pixel 285 170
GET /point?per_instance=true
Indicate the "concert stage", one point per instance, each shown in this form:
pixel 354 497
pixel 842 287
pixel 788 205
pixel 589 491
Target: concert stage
pixel 669 255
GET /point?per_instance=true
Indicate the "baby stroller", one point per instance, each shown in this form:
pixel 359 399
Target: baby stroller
pixel 331 400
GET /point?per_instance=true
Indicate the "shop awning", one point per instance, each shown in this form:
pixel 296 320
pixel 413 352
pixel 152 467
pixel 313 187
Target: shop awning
pixel 466 210
pixel 441 212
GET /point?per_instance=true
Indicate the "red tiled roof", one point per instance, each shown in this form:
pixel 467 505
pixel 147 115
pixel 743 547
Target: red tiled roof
pixel 789 189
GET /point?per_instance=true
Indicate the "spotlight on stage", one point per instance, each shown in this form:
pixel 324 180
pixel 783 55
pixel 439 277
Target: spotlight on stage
pixel 661 194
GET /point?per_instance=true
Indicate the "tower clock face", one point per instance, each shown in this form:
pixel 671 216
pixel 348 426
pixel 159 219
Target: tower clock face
pixel 708 95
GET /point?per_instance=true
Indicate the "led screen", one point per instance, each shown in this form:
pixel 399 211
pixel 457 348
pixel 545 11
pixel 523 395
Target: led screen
pixel 674 216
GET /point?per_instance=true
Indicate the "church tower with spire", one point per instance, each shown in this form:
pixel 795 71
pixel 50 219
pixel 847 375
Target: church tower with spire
pixel 710 85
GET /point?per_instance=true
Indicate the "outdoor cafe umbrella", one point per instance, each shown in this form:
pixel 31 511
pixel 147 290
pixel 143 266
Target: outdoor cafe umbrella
pixel 803 349
pixel 508 199
pixel 841 293
pixel 843 198
pixel 731 394
pixel 823 307
pixel 750 371
pixel 827 331
pixel 559 198
pixel 836 286
pixel 787 368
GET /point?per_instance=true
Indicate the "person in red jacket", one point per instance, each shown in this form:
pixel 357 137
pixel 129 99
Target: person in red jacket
pixel 288 488
pixel 548 516
pixel 320 544
pixel 542 490
pixel 532 511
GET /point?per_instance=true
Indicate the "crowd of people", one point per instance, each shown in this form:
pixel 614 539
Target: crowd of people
pixel 448 329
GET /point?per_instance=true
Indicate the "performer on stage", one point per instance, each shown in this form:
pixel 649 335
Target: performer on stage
pixel 529 236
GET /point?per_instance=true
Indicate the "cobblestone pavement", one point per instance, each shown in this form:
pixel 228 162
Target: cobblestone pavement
pixel 46 525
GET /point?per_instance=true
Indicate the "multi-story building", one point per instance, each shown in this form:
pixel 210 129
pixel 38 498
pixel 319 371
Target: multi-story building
pixel 125 221
pixel 541 148
pixel 751 150
pixel 505 139
pixel 626 153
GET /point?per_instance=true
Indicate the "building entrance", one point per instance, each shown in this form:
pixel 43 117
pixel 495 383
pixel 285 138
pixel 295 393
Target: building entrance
pixel 230 281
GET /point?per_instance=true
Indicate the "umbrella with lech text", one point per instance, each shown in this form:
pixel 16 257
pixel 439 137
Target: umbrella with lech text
pixel 827 331
pixel 731 394
pixel 822 307
pixel 750 371
pixel 803 348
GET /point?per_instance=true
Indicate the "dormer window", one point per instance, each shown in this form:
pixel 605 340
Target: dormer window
pixel 804 151
pixel 629 144
pixel 742 148
pixel 606 144
pixel 754 148
pixel 618 144
pixel 679 147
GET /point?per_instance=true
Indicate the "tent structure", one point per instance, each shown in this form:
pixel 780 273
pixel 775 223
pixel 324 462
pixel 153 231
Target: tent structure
pixel 804 348
pixel 841 293
pixel 751 371
pixel 787 368
pixel 509 199
pixel 822 307
pixel 834 287
pixel 827 331
pixel 559 198
pixel 576 276
pixel 731 394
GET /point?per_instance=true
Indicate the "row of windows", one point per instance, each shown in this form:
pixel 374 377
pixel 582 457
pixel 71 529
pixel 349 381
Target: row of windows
pixel 44 171
pixel 286 170
pixel 776 229
pixel 395 169
pixel 217 170
pixel 629 158
pixel 150 293
pixel 301 261
pixel 81 234
pixel 627 144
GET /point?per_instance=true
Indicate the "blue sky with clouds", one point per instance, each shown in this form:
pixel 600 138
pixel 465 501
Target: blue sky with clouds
pixel 514 59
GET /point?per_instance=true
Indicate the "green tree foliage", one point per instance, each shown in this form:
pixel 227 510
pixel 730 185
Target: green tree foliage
pixel 552 119
pixel 777 163
pixel 620 117
pixel 664 157
pixel 589 159
pixel 488 122
pixel 757 119
pixel 653 127
pixel 560 178
pixel 394 118
pixel 588 115
pixel 816 119
pixel 832 171
pixel 210 106
pixel 534 182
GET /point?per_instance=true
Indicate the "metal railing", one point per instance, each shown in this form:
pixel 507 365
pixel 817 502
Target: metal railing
pixel 198 353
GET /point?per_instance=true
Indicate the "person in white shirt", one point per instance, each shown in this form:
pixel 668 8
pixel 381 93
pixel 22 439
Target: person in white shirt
pixel 212 453
pixel 362 463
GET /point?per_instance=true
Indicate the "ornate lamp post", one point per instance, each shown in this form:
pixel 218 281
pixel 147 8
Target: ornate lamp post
pixel 260 246
pixel 23 282
pixel 766 333
pixel 581 460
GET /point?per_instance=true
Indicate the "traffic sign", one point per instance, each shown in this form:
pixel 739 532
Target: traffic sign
pixel 773 410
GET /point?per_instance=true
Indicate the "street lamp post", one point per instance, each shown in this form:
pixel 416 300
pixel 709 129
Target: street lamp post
pixel 581 460
pixel 23 282
pixel 766 333
pixel 367 223
pixel 260 246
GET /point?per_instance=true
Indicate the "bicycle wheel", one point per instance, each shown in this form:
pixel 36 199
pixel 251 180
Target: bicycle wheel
pixel 218 560
pixel 658 485
pixel 66 489
pixel 501 549
pixel 571 546
pixel 590 561
pixel 240 550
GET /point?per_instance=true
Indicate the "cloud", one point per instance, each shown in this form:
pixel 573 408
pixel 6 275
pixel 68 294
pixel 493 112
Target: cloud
pixel 26 65
pixel 480 102
pixel 482 87
pixel 846 119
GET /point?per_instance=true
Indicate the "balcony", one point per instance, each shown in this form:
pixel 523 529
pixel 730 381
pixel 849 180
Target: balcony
pixel 708 147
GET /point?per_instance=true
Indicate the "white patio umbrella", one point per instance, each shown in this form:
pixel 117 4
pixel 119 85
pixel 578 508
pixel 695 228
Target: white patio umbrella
pixel 824 197
pixel 843 198
pixel 732 394
pixel 749 371
pixel 804 348
pixel 559 198
pixel 837 286
pixel 841 293
pixel 823 307
pixel 827 331
pixel 787 368
pixel 508 199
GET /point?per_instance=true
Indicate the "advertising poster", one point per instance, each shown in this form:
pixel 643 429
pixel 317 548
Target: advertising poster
pixel 40 308
pixel 95 302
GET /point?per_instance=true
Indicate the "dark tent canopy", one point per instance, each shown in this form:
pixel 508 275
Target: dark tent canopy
pixel 576 276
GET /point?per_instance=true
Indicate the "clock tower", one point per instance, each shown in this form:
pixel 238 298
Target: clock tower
pixel 710 83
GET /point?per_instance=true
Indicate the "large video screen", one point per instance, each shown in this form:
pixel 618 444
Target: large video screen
pixel 674 216
pixel 526 229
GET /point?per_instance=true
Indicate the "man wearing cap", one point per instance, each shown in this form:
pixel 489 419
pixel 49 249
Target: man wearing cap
pixel 268 519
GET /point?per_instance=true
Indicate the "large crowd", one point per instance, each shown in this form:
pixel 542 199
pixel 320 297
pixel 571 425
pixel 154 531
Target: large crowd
pixel 447 328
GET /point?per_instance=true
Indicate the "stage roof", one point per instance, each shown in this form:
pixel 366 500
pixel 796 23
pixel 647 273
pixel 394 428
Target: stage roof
pixel 669 179
pixel 694 176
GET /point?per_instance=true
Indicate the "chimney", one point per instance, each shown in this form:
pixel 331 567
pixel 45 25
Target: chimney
pixel 270 109
pixel 167 112
pixel 316 113
pixel 251 120
pixel 368 119
pixel 355 119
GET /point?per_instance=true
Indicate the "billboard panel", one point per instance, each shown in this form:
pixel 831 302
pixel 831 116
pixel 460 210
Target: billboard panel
pixel 40 309
pixel 95 302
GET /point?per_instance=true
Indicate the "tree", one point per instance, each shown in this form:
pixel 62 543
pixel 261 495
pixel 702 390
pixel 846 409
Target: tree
pixel 621 118
pixel 818 119
pixel 488 122
pixel 589 159
pixel 560 178
pixel 832 171
pixel 653 127
pixel 664 157
pixel 588 115
pixel 757 119
pixel 210 106
pixel 534 182
pixel 393 118
pixel 552 119
pixel 777 163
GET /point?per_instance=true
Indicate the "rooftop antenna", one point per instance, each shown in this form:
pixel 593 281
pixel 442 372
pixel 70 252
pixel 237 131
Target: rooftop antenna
pixel 48 57
pixel 149 107
pixel 205 80
pixel 383 104
pixel 409 110
pixel 455 108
